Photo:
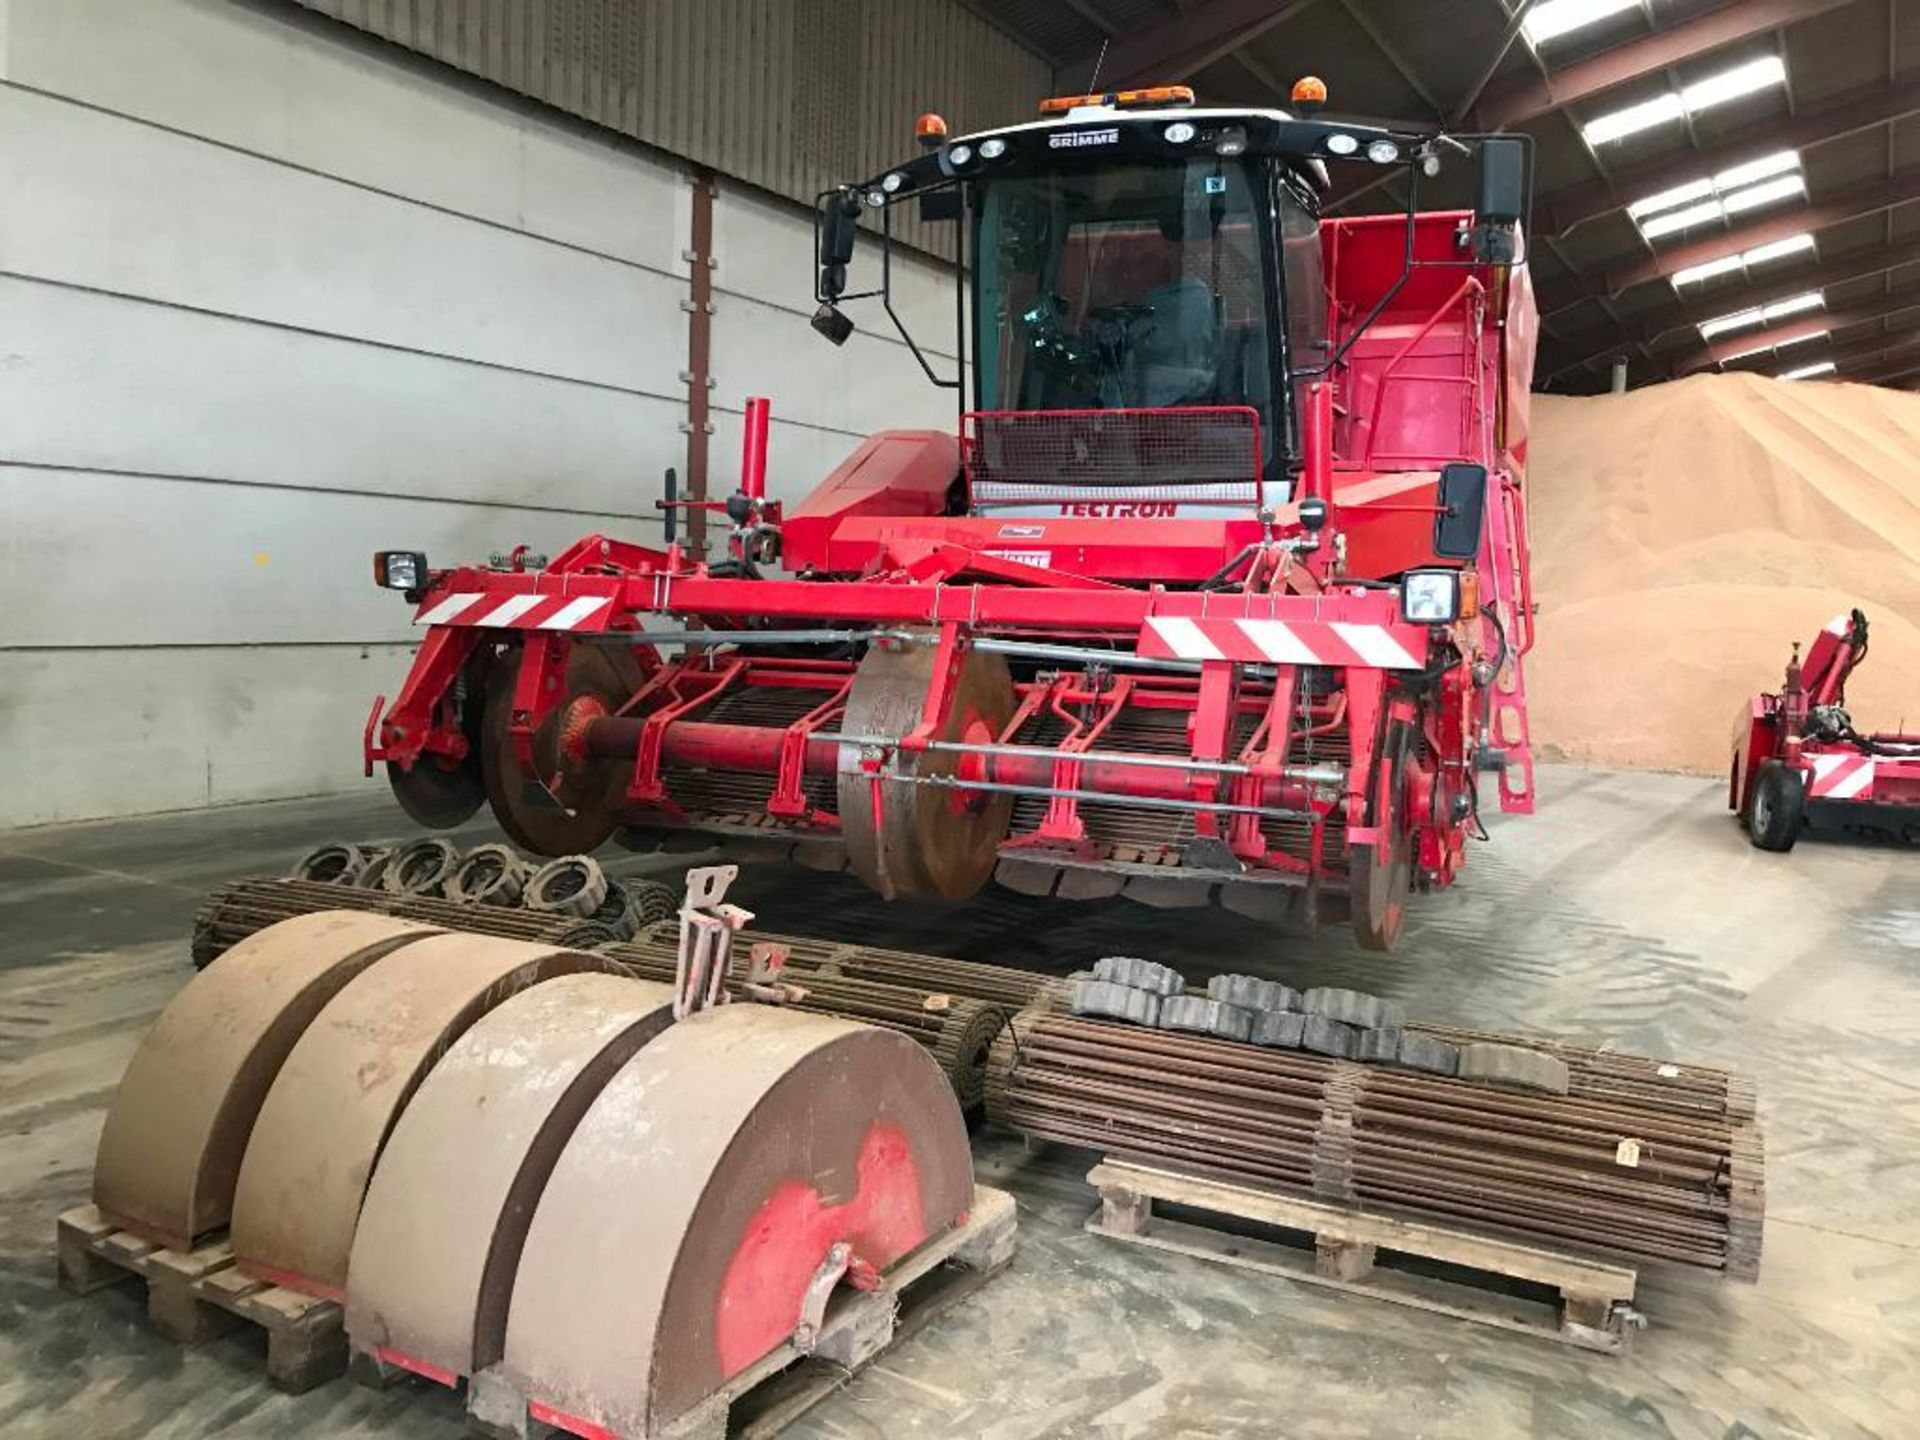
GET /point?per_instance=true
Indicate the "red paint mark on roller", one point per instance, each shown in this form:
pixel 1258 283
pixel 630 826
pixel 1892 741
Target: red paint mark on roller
pixel 789 1236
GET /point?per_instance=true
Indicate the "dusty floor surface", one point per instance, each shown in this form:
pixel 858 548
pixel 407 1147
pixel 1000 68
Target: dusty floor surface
pixel 1630 908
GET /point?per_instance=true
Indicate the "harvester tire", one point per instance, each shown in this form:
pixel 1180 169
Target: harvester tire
pixel 420 867
pixel 921 840
pixel 571 885
pixel 1778 809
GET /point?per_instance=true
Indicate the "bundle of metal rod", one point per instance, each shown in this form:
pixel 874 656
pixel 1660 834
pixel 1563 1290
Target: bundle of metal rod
pixel 1605 1075
pixel 959 1031
pixel 1633 1180
pixel 233 912
pixel 1001 984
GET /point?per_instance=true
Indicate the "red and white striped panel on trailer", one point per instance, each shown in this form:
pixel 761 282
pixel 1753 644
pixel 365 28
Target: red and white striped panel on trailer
pixel 518 612
pixel 1840 776
pixel 1286 642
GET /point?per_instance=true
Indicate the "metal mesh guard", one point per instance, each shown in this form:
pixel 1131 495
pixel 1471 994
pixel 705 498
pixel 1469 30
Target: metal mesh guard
pixel 1017 456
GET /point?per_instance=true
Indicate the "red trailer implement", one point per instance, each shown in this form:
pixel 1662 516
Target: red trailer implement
pixel 1798 761
pixel 1220 592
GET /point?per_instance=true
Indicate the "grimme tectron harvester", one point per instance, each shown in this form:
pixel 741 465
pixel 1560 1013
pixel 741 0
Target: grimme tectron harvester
pixel 1798 761
pixel 1220 592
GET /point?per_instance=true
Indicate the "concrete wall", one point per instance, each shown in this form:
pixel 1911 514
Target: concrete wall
pixel 273 295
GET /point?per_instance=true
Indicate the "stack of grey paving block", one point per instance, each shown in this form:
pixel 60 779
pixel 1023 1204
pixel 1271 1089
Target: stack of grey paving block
pixel 1326 1020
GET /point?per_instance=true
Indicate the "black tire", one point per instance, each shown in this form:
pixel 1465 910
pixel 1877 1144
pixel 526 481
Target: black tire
pixel 1778 809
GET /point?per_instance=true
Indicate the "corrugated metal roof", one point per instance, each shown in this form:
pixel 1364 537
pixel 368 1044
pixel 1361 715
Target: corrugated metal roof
pixel 790 95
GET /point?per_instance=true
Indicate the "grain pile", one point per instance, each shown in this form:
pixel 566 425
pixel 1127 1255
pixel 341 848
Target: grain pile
pixel 1685 534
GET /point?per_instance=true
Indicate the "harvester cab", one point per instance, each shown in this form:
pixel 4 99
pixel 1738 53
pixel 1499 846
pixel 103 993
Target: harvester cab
pixel 1218 594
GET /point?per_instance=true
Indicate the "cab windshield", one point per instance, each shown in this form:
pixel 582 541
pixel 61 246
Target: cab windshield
pixel 1131 286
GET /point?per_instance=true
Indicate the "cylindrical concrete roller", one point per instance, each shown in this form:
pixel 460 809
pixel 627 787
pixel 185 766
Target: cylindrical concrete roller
pixel 698 1198
pixel 171 1148
pixel 454 1190
pixel 329 1112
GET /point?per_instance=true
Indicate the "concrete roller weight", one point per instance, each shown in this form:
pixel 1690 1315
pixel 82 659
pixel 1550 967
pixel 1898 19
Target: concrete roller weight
pixel 677 1236
pixel 171 1149
pixel 447 1210
pixel 337 1096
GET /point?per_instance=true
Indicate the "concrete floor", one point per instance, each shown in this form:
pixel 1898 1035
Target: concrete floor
pixel 1629 909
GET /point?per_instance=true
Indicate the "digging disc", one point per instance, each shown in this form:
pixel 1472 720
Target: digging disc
pixel 928 841
pixel 706 1184
pixel 440 795
pixel 447 1212
pixel 324 1121
pixel 170 1153
pixel 1379 888
pixel 532 819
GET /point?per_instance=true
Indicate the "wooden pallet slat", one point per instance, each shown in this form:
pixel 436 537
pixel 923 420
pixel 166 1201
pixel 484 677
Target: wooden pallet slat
pixel 1594 1310
pixel 195 1295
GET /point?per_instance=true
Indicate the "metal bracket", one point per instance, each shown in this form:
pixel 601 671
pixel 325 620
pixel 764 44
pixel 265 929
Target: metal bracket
pixel 813 1304
pixel 707 926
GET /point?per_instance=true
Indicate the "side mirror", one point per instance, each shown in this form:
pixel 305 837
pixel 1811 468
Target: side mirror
pixel 839 225
pixel 1500 195
pixel 1463 512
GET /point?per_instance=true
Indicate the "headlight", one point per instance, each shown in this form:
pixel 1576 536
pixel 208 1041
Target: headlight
pixel 960 154
pixel 1430 597
pixel 1383 152
pixel 1178 133
pixel 1341 143
pixel 400 570
pixel 893 182
pixel 992 149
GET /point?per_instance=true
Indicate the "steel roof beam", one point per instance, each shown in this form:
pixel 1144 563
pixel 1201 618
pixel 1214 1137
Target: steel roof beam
pixel 1857 265
pixel 1830 322
pixel 1718 28
pixel 1867 199
pixel 1848 115
pixel 1180 46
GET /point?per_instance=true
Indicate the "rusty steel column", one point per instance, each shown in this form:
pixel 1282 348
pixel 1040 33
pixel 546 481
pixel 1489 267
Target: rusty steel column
pixel 699 372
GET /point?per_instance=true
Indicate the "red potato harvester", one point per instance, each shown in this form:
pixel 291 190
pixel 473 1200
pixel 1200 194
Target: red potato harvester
pixel 1799 763
pixel 1219 593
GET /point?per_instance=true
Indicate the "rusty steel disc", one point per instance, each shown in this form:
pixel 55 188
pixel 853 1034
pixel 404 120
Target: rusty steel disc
pixel 171 1148
pixel 927 841
pixel 680 1228
pixel 437 794
pixel 345 1082
pixel 447 1211
pixel 533 818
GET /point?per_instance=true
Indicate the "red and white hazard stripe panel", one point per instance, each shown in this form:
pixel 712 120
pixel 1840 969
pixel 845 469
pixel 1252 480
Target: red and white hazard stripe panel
pixel 1840 777
pixel 518 612
pixel 1286 642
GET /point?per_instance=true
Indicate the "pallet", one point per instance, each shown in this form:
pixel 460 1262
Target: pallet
pixel 770 1395
pixel 1594 1310
pixel 198 1294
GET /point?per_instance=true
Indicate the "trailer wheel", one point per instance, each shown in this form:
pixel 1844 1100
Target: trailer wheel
pixel 1779 807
